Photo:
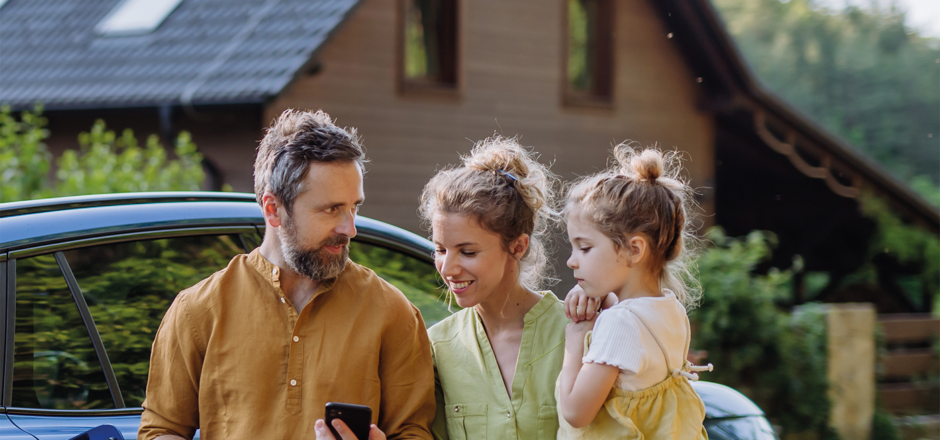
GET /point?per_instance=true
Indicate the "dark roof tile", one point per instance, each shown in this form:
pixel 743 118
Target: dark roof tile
pixel 52 54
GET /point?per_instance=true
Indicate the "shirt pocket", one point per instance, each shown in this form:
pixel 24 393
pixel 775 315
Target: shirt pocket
pixel 466 421
pixel 547 427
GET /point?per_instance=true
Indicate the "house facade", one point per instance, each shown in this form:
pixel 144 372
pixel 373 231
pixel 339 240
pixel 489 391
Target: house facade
pixel 423 80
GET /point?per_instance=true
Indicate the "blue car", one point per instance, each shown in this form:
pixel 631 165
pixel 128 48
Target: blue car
pixel 85 281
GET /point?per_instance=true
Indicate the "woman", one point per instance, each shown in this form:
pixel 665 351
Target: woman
pixel 496 360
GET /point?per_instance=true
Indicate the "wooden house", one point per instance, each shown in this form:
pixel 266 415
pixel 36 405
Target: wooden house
pixel 423 79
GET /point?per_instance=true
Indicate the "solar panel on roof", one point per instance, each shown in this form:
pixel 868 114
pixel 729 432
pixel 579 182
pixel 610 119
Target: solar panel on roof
pixel 136 17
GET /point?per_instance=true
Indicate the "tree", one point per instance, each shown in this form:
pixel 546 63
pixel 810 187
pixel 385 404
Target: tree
pixel 861 73
pixel 104 162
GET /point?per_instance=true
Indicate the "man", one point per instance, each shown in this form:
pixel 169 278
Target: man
pixel 257 349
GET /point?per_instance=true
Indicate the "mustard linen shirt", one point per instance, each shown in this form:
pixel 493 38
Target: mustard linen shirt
pixel 472 402
pixel 234 358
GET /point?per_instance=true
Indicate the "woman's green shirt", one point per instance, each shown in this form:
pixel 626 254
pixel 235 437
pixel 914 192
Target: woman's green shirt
pixel 472 402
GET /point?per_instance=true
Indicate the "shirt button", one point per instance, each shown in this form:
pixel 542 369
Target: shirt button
pixel 296 338
pixel 283 300
pixel 508 415
pixel 293 383
pixel 456 408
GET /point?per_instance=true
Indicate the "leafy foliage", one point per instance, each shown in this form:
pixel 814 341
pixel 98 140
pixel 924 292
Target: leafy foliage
pixel 777 358
pixel 860 72
pixel 418 280
pixel 905 244
pixel 104 162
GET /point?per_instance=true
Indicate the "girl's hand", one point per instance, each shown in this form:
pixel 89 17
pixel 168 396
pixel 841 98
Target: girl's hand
pixel 575 331
pixel 580 307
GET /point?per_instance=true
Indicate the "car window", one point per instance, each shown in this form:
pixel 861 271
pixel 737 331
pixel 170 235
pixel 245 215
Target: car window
pixel 128 288
pixel 416 278
pixel 54 362
pixel 251 240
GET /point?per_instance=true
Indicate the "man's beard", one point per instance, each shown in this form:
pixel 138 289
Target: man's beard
pixel 318 264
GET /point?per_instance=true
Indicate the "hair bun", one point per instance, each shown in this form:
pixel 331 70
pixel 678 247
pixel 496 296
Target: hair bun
pixel 647 165
pixel 497 153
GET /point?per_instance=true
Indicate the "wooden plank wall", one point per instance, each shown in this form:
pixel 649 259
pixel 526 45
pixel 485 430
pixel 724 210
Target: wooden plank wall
pixel 511 82
pixel 909 364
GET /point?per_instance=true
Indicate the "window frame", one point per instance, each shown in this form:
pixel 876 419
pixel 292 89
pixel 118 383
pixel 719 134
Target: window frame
pixel 7 307
pixel 607 67
pixel 411 87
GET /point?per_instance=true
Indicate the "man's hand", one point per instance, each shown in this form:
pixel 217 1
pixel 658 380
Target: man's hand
pixel 323 433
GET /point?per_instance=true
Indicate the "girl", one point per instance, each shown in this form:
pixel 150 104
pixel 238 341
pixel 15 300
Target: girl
pixel 628 378
pixel 495 361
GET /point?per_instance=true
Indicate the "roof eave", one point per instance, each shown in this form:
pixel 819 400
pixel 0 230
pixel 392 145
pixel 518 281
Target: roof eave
pixel 712 52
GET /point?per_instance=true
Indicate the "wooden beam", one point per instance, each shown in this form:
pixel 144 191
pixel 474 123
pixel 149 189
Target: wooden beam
pixel 901 364
pixel 907 328
pixel 908 397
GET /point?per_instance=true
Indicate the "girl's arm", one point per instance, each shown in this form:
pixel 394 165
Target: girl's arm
pixel 584 387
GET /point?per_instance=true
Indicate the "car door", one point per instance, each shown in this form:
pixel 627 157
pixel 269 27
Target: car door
pixel 85 317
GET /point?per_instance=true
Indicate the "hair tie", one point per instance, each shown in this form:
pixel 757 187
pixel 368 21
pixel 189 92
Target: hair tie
pixel 514 178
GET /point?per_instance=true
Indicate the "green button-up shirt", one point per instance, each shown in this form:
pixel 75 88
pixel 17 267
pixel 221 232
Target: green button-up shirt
pixel 472 402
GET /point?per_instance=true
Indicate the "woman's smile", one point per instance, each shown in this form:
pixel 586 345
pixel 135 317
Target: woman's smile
pixel 459 287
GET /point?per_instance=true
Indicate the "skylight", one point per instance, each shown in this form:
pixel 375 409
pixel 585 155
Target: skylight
pixel 135 17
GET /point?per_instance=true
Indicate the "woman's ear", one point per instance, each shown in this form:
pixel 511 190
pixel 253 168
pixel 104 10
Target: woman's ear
pixel 518 246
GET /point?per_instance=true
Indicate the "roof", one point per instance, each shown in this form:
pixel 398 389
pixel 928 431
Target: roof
pixel 733 90
pixel 205 52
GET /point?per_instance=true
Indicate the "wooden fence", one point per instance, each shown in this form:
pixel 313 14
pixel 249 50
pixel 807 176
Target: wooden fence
pixel 908 383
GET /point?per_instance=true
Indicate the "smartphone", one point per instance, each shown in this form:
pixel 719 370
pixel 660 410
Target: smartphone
pixel 357 417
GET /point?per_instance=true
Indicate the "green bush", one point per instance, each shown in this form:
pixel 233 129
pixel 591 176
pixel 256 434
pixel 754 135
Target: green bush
pixel 104 162
pixel 776 358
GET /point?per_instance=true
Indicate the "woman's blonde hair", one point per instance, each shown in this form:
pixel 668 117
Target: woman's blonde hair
pixel 642 194
pixel 502 185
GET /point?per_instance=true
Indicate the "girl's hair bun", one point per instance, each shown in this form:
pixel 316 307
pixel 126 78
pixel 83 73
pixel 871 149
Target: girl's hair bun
pixel 648 165
pixel 642 165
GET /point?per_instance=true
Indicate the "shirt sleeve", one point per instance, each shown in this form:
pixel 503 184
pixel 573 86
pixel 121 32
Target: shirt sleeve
pixel 439 427
pixel 616 341
pixel 172 403
pixel 407 376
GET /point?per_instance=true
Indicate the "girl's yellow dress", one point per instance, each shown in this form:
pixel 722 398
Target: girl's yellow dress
pixel 670 409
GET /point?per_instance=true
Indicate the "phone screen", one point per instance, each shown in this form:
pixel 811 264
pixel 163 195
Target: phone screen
pixel 357 417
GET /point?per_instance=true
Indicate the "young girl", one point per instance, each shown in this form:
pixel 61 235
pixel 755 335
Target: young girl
pixel 629 377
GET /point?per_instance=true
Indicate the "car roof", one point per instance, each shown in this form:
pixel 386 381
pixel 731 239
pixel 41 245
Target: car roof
pixel 45 222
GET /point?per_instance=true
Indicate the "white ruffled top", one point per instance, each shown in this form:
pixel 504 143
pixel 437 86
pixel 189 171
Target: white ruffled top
pixel 620 339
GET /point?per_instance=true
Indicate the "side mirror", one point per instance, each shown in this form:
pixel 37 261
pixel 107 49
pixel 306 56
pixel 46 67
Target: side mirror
pixel 103 432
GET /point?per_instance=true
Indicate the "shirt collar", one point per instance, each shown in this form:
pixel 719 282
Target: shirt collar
pixel 272 272
pixel 545 304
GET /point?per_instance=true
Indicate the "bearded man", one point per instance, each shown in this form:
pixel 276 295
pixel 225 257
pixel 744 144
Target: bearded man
pixel 257 349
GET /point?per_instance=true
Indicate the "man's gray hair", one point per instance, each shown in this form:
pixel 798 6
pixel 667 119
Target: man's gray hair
pixel 296 139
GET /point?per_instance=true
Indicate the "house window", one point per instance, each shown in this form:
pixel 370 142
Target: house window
pixel 136 17
pixel 429 55
pixel 589 67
